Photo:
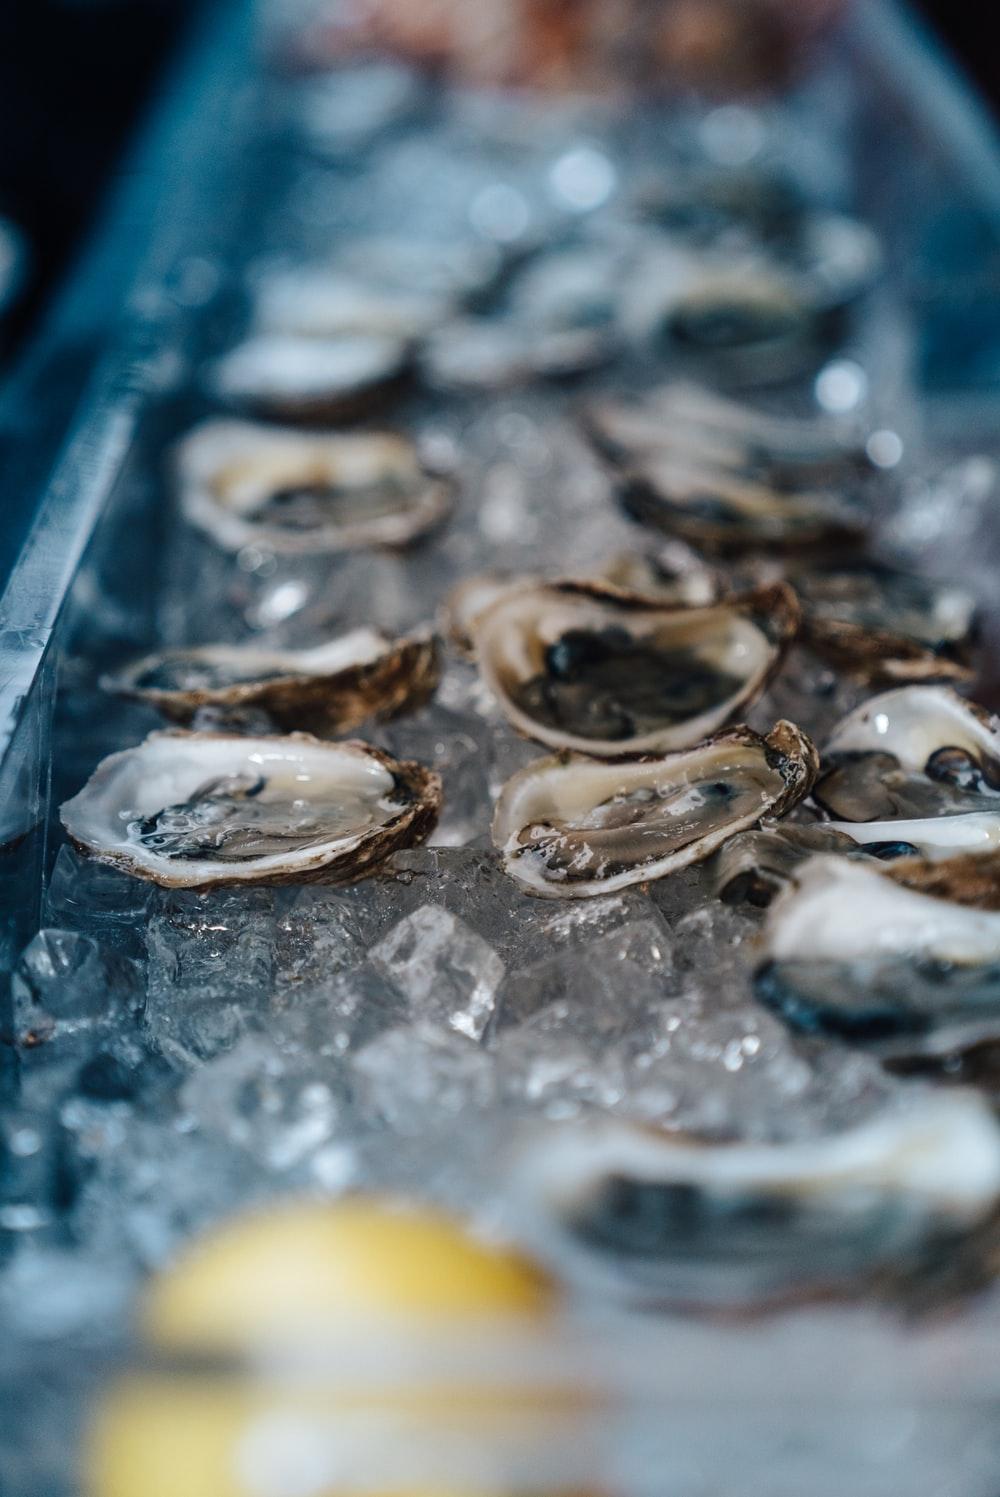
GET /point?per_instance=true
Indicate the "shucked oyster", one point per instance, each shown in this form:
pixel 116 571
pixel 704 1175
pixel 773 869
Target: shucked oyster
pixel 682 1220
pixel 742 320
pixel 915 771
pixel 298 494
pixel 720 510
pixel 573 828
pixel 757 865
pixel 681 419
pixel 322 302
pixel 852 952
pixel 293 377
pixel 329 689
pixel 883 625
pixel 583 665
pixel 201 810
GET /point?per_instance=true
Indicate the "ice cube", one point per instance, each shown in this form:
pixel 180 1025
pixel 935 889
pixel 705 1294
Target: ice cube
pixel 418 1077
pixel 456 745
pixel 608 979
pixel 210 970
pixel 277 1108
pixel 66 983
pixel 560 1059
pixel 449 974
pixel 85 895
pixel 317 936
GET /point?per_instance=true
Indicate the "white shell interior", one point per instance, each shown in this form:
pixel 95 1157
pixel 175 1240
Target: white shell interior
pixel 945 1150
pixel 912 722
pixel 287 367
pixel 570 792
pixel 511 636
pixel 933 836
pixel 842 911
pixel 229 469
pixel 167 768
pixel 359 646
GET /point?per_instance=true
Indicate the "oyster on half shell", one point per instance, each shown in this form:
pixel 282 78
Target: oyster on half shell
pixel 328 689
pixel 756 865
pixel 293 377
pixel 685 420
pixel 684 1220
pixel 204 810
pixel 586 666
pixel 884 626
pixel 572 828
pixel 295 493
pixel 915 771
pixel 886 957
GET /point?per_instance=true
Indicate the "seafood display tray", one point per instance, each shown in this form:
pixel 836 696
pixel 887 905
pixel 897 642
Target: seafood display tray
pixel 821 1397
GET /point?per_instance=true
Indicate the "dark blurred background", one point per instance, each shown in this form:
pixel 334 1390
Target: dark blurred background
pixel 74 75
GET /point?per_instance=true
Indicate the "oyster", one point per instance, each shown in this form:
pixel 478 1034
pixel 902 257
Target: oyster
pixel 298 494
pixel 682 1220
pixel 722 511
pixel 329 689
pixel 315 301
pixel 883 625
pixel 204 810
pixel 292 377
pixel 485 354
pixel 574 828
pixel 583 665
pixel 671 571
pixel 757 865
pixel 742 320
pixel 853 952
pixel 915 771
pixel 685 420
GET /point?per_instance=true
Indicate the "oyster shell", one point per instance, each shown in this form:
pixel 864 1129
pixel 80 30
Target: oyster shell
pixel 886 626
pixel 671 573
pixel 585 666
pixel 316 301
pixel 204 810
pixel 293 377
pixel 757 865
pixel 328 689
pixel 852 951
pixel 687 421
pixel 573 828
pixel 721 511
pixel 742 320
pixel 683 1220
pixel 486 354
pixel 296 493
pixel 915 771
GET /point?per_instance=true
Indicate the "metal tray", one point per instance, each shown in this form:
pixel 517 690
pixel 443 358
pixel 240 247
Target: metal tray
pixel 779 1404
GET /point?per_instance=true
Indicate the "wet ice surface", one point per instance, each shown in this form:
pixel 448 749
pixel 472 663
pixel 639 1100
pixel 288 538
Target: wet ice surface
pixel 178 1056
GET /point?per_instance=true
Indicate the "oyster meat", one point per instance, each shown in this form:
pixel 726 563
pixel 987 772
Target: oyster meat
pixel 296 493
pixel 203 810
pixel 915 771
pixel 573 828
pixel 294 377
pixel 583 665
pixel 689 1221
pixel 852 952
pixel 328 689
